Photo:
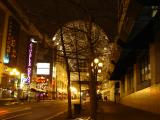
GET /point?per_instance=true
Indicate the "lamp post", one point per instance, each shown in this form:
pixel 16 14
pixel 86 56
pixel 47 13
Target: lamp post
pixel 96 68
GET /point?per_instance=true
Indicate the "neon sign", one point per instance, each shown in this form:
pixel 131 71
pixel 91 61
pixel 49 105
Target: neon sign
pixel 12 42
pixel 29 69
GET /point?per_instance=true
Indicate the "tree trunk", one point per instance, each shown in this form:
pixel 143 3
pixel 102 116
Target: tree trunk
pixel 68 76
pixel 92 85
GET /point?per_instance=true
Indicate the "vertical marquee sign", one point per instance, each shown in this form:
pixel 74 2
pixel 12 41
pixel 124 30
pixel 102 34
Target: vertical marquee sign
pixel 12 42
pixel 29 66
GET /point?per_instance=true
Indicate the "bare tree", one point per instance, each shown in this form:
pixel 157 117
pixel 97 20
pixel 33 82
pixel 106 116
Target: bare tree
pixel 83 40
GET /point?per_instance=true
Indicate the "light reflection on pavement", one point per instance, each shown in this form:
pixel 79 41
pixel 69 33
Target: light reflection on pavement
pixel 33 111
pixel 3 111
pixel 7 110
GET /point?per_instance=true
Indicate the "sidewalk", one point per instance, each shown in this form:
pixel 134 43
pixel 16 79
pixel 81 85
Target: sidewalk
pixel 112 111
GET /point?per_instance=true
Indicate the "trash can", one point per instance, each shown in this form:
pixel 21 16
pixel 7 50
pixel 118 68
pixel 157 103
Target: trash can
pixel 77 108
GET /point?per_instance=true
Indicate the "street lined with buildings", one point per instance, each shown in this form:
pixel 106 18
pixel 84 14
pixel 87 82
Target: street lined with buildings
pixel 58 56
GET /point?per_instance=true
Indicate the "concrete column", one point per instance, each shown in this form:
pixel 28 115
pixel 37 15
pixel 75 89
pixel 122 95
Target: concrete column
pixel 126 85
pixel 122 87
pixel 155 59
pixel 135 77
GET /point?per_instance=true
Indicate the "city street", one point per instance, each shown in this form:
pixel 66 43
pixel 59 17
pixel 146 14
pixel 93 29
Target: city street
pixel 79 59
pixel 57 110
pixel 35 111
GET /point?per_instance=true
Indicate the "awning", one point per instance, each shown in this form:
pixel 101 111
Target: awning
pixel 37 90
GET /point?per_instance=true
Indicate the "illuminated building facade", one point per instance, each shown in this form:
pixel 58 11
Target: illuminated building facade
pixel 14 47
pixel 61 79
pixel 137 69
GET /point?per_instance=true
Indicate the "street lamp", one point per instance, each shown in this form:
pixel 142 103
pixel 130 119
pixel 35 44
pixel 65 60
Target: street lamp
pixel 96 67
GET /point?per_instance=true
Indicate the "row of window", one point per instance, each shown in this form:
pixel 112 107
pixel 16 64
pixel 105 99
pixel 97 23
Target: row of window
pixel 143 71
pixel 144 66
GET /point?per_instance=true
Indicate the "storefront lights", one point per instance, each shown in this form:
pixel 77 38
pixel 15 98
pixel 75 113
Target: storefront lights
pixel 73 90
pixel 14 72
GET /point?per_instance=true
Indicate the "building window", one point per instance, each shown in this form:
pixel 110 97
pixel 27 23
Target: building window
pixel 144 66
pixel 83 66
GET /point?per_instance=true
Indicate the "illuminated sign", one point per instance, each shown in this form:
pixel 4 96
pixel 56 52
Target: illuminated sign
pixel 12 42
pixel 43 68
pixel 29 69
pixel 23 80
pixel 6 59
pixel 41 80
